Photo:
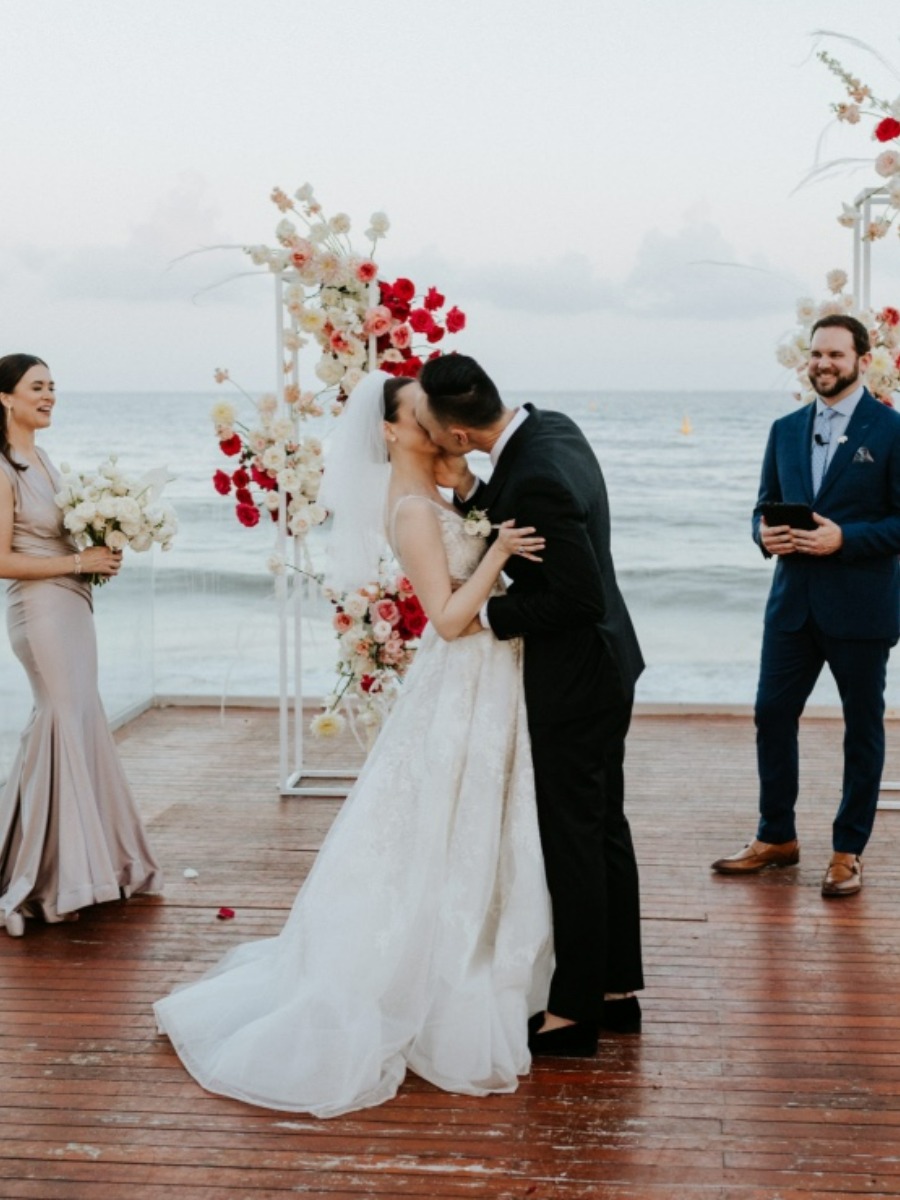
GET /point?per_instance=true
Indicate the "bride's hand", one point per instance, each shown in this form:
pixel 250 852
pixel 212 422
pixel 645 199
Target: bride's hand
pixel 100 560
pixel 523 543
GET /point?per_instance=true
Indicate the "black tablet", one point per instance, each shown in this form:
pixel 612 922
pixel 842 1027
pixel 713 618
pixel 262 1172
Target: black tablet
pixel 798 516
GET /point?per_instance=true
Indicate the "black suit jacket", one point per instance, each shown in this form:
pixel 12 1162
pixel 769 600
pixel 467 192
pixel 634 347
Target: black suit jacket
pixel 568 608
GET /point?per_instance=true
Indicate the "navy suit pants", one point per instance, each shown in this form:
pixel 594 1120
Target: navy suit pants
pixel 791 663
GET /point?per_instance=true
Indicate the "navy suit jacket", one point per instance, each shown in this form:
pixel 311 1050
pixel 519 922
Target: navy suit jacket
pixel 854 593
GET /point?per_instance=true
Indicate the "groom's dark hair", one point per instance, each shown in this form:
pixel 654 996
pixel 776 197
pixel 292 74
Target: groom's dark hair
pixel 460 392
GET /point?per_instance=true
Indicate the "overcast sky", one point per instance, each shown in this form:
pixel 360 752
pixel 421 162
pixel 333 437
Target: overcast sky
pixel 564 171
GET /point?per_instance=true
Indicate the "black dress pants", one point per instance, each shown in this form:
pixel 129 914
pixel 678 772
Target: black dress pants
pixel 591 870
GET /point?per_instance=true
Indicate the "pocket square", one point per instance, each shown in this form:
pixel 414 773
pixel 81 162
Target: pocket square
pixel 863 455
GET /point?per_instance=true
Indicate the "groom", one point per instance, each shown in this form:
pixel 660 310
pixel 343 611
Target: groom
pixel 580 665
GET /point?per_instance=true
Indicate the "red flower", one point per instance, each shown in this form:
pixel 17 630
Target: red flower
pixel 412 618
pixel 243 496
pixel 887 129
pixel 890 316
pixel 231 445
pixel 248 514
pixel 225 914
pixel 263 479
pixel 366 271
pixel 366 683
pixel 421 321
pixel 221 483
pixel 411 367
pixel 404 289
pixel 455 320
pixel 434 354
pixel 240 478
pixel 391 368
pixel 436 333
pixel 433 299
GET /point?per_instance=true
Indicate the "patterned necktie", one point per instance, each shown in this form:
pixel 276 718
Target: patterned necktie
pixel 821 446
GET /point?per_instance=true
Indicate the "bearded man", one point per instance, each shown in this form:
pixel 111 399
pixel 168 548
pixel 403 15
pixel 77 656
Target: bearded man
pixel 835 598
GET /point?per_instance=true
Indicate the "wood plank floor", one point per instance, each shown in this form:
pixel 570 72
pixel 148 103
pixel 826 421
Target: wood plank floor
pixel 769 1065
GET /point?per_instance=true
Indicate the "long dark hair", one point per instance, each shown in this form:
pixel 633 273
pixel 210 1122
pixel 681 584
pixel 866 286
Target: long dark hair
pixel 12 368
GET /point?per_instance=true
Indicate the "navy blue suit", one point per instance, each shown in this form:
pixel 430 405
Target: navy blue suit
pixel 842 609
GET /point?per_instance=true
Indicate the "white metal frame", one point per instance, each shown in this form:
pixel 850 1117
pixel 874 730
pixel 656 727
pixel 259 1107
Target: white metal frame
pixel 291 769
pixel 862 295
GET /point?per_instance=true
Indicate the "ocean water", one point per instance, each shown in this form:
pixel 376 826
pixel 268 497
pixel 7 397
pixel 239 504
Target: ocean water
pixel 202 619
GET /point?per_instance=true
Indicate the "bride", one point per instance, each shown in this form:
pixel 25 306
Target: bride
pixel 421 937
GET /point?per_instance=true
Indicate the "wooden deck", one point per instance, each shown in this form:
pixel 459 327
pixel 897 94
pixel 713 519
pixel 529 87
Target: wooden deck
pixel 769 1066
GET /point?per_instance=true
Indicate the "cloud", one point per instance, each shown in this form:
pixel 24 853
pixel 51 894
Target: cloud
pixel 692 273
pixel 143 268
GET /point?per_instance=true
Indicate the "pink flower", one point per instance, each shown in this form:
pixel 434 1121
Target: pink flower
pixel 342 622
pixel 302 253
pixel 887 163
pixel 340 344
pixel 401 336
pixel 378 321
pixel 385 610
pixel 366 271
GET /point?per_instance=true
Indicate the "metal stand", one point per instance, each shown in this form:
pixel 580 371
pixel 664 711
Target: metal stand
pixel 291 771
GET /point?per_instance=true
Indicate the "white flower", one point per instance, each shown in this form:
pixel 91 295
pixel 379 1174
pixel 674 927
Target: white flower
pixel 877 229
pixel 340 223
pixel 285 230
pixel 293 341
pixel 267 404
pixel 271 500
pixel 141 542
pixel 807 310
pixel 329 370
pixel 190 873
pixel 789 355
pixel 319 232
pixel 74 523
pixel 288 480
pixel 378 225
pixel 275 563
pixel 310 320
pixel 283 429
pixel 108 507
pixel 356 606
pixel 849 217
pixel 882 363
pixel 316 514
pixel 326 725
pixel 116 540
pixel 273 459
pixel 836 280
pixel 223 413
pixel 259 256
pixel 305 194
pixel 888 163
pixel 381 631
pixel 299 525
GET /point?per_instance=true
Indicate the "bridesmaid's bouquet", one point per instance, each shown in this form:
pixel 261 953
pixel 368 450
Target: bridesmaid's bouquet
pixel 109 508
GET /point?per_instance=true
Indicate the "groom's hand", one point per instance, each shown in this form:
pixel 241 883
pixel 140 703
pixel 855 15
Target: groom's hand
pixel 452 471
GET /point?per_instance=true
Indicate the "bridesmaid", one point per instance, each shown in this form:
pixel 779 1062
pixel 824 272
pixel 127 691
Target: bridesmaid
pixel 70 834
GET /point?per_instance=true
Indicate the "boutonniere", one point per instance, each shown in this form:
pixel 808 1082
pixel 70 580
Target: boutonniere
pixel 477 523
pixel 841 440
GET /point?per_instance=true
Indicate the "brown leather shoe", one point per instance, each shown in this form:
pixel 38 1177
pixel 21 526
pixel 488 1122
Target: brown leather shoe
pixel 757 857
pixel 844 875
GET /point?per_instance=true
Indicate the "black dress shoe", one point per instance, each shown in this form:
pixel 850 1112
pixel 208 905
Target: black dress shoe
pixel 569 1041
pixel 621 1016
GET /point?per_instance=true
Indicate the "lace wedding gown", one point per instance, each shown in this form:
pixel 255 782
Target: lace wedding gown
pixel 421 937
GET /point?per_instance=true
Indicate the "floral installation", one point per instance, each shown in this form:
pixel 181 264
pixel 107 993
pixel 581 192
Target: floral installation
pixel 378 628
pixel 862 106
pixel 477 523
pixel 106 507
pixel 334 295
pixel 270 457
pixel 883 375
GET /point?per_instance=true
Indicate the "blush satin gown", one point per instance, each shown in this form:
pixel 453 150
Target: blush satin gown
pixel 70 833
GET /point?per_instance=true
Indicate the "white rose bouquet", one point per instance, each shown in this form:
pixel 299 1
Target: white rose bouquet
pixel 109 508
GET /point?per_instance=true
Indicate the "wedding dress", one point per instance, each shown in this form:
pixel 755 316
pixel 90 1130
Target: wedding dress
pixel 421 938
